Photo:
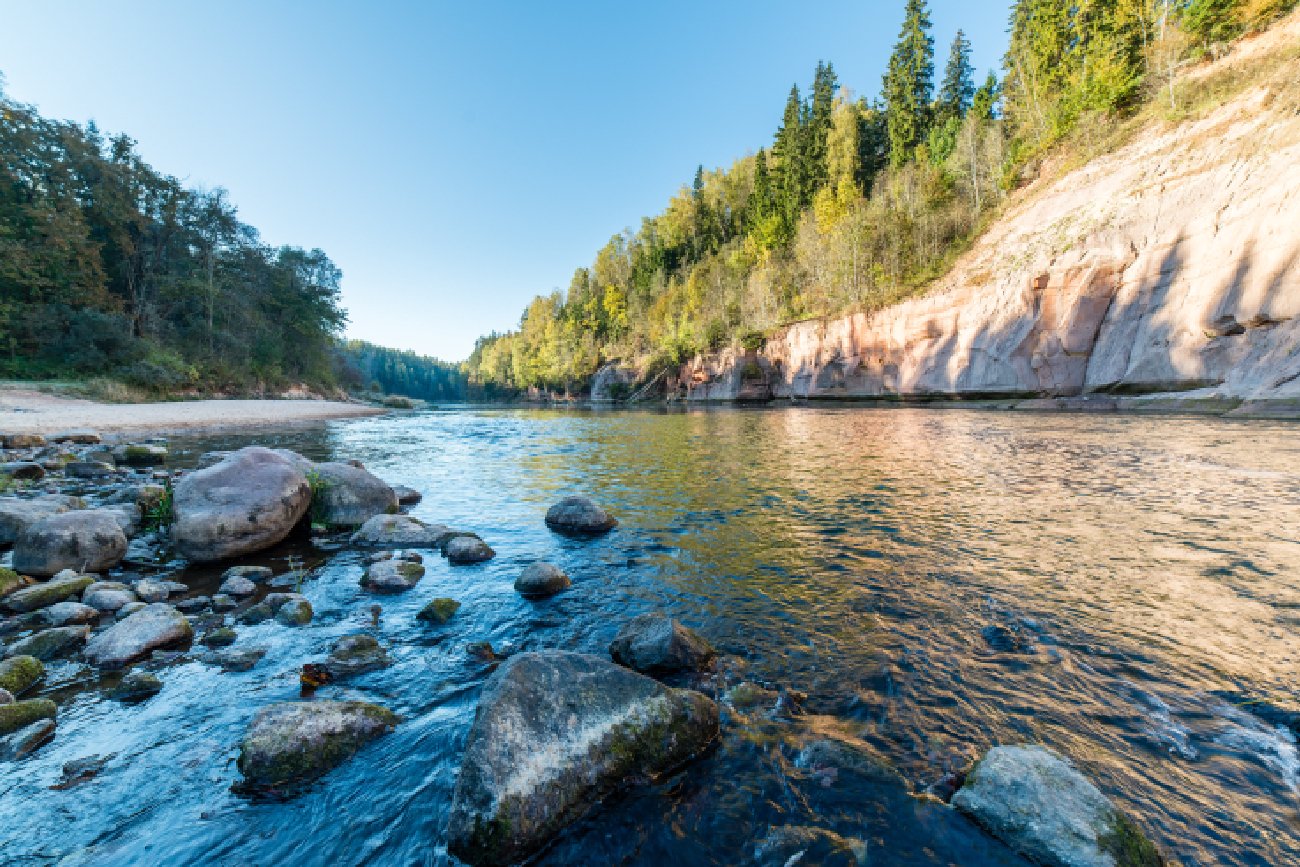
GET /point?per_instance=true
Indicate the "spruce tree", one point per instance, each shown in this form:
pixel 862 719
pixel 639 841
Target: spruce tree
pixel 909 83
pixel 789 152
pixel 986 98
pixel 958 87
pixel 819 124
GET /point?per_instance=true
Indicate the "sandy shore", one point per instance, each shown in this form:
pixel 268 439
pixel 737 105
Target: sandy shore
pixel 27 411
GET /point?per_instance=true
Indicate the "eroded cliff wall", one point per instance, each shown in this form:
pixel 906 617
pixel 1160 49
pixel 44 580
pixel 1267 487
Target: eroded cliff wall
pixel 1169 265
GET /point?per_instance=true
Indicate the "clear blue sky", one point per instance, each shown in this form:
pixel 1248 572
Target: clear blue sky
pixel 453 159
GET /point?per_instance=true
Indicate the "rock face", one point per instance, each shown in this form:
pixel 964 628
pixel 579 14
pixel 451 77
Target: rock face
pixel 554 733
pixel 86 540
pixel 63 586
pixel 655 643
pixel 17 515
pixel 347 496
pixel 154 626
pixel 579 516
pixel 1165 266
pixel 540 580
pixel 247 502
pixel 400 531
pixel 392 576
pixel 295 742
pixel 1040 805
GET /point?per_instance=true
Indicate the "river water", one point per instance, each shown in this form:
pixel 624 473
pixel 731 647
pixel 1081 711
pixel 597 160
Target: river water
pixel 1123 589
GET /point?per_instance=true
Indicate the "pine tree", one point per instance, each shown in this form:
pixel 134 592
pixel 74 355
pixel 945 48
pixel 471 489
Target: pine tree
pixel 789 152
pixel 986 97
pixel 958 88
pixel 697 186
pixel 825 86
pixel 909 83
pixel 760 201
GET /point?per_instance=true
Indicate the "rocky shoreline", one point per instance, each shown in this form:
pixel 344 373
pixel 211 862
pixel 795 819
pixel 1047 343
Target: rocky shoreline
pixel 97 535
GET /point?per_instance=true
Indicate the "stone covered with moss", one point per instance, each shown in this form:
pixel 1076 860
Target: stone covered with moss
pixel 439 611
pixel 21 714
pixel 293 743
pixel 62 586
pixel 555 732
pixel 392 576
pixel 18 673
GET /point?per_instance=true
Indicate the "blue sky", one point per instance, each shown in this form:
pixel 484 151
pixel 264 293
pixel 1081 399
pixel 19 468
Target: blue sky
pixel 453 159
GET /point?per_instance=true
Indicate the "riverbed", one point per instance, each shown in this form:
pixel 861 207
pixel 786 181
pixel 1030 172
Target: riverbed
pixel 924 583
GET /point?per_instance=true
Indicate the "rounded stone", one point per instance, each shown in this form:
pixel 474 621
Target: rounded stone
pixel 579 516
pixel 468 549
pixel 540 580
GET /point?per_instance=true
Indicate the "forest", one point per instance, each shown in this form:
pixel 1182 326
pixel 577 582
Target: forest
pixel 365 367
pixel 859 202
pixel 111 269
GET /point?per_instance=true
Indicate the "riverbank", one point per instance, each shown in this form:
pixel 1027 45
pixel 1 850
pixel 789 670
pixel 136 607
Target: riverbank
pixel 25 410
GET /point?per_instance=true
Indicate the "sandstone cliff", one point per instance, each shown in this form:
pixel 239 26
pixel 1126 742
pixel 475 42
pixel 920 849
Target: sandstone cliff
pixel 1169 265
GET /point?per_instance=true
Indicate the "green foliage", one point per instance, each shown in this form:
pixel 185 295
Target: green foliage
pixel 159 515
pixel 110 268
pixel 958 87
pixel 360 365
pixel 909 82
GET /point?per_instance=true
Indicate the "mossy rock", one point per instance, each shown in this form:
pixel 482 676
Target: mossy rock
pixel 223 636
pixel 9 581
pixel 292 743
pixel 439 611
pixel 21 714
pixel 19 673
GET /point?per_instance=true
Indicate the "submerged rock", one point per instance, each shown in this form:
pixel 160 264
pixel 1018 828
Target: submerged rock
pixel 69 614
pixel 439 611
pixel 392 576
pixel 400 531
pixel 788 845
pixel 27 740
pixel 465 548
pixel 656 643
pixel 155 626
pixel 1037 803
pixel 87 540
pixel 554 733
pixel 579 516
pixel 19 673
pixel 293 743
pixel 235 659
pixel 62 586
pixel 247 502
pixel 21 714
pixel 136 686
pixel 50 643
pixel 540 580
pixel 254 574
pixel 237 585
pixel 348 496
pixel 356 654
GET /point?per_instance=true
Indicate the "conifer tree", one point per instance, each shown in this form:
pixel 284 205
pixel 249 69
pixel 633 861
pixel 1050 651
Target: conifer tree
pixel 825 86
pixel 909 83
pixel 958 87
pixel 788 150
pixel 985 98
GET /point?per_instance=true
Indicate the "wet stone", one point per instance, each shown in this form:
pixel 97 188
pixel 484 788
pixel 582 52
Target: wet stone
pixel 293 743
pixel 222 602
pixel 50 643
pixel 540 580
pixel 69 613
pixel 439 611
pixel 235 659
pixel 221 637
pixel 237 585
pixel 19 673
pixel 392 576
pixel 27 740
pixel 465 549
pixel 136 686
pixel 579 516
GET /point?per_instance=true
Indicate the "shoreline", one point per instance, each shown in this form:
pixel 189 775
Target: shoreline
pixel 28 411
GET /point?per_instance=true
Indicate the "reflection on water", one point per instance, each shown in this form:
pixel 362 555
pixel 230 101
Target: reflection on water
pixel 935 581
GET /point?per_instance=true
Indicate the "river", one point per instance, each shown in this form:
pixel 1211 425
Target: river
pixel 1124 589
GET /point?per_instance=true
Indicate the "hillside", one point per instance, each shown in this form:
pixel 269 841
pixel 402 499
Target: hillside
pixel 1169 265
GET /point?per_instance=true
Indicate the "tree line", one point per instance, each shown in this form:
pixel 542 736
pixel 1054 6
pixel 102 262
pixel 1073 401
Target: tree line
pixel 109 267
pixel 856 202
pixel 366 367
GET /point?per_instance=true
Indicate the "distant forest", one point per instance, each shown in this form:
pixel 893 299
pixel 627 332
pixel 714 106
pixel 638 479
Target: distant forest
pixel 366 367
pixel 860 201
pixel 109 268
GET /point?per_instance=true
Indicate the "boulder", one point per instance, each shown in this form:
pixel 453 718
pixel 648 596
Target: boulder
pixel 28 471
pixel 293 743
pixel 467 549
pixel 255 574
pixel 127 517
pixel 554 733
pixel 439 611
pixel 108 595
pixel 136 686
pixel 290 609
pixel 62 586
pixel 17 515
pixel 1036 802
pixel 87 540
pixel 347 496
pixel 154 626
pixel 658 644
pixel 23 441
pixel 356 654
pixel 27 740
pixel 19 673
pixel 151 591
pixel 140 455
pixel 222 636
pixel 392 576
pixel 249 501
pixel 579 516
pixel 400 531
pixel 407 496
pixel 21 714
pixel 237 585
pixel 540 580
pixel 69 614
pixel 50 643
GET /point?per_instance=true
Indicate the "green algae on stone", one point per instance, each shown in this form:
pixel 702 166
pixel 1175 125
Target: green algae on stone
pixel 439 611
pixel 21 714
pixel 292 743
pixel 9 580
pixel 18 673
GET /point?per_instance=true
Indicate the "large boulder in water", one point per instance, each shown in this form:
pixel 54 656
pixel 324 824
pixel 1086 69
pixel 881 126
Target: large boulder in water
pixel 554 733
pixel 247 502
pixel 1039 804
pixel 579 516
pixel 348 496
pixel 154 626
pixel 658 644
pixel 400 531
pixel 292 743
pixel 17 515
pixel 87 540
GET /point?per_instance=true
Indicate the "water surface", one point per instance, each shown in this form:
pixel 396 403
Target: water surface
pixel 1123 589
